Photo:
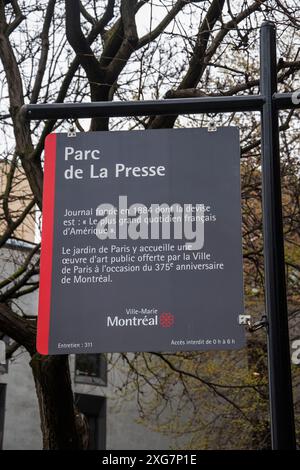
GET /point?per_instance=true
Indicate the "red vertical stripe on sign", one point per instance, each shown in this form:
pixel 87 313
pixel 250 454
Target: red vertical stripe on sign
pixel 47 246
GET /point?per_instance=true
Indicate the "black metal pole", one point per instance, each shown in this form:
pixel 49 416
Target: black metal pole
pixel 280 382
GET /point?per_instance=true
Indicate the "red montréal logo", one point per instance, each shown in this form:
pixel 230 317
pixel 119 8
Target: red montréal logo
pixel 166 320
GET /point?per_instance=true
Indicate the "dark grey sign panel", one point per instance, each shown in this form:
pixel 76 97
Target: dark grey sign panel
pixel 141 244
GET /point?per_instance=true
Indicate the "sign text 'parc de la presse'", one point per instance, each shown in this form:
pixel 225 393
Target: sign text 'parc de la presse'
pixel 141 242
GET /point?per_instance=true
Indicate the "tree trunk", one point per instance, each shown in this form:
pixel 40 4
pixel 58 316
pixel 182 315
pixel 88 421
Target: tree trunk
pixel 60 424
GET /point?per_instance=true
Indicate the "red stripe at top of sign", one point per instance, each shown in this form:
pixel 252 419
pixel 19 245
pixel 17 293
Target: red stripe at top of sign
pixel 47 246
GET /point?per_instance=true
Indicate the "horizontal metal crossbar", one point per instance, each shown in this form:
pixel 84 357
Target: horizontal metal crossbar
pixel 207 104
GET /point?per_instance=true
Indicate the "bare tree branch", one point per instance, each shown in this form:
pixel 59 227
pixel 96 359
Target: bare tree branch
pixel 20 330
pixel 44 52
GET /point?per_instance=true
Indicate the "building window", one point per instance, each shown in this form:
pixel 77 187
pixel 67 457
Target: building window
pixel 4 342
pixel 94 409
pixel 2 411
pixel 91 369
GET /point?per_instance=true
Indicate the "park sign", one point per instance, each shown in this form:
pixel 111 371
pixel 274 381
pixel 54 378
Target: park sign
pixel 141 242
